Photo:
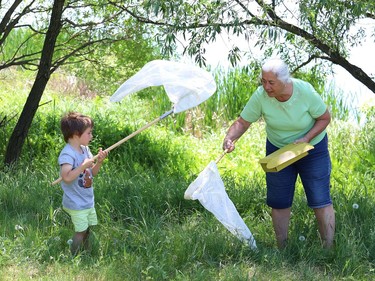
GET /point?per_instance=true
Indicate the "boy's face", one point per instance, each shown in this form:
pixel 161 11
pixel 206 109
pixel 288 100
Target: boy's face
pixel 86 137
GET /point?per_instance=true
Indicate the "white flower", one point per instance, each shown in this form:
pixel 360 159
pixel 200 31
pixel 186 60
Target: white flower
pixel 18 227
pixel 355 206
pixel 70 241
pixel 302 238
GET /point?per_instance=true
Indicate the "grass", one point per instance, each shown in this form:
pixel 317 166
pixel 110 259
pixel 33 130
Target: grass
pixel 147 230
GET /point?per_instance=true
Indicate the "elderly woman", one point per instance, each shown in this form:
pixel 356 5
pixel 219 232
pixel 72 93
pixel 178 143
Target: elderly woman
pixel 293 113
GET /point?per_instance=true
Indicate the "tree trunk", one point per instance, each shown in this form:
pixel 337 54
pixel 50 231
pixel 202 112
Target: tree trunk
pixel 19 134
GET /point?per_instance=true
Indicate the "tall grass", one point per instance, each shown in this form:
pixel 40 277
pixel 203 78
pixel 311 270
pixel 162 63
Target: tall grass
pixel 147 230
pixel 22 42
pixel 234 88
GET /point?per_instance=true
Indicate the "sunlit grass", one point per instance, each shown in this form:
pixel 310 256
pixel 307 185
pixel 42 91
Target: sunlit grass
pixel 147 230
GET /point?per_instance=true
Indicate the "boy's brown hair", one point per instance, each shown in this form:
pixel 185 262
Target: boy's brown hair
pixel 74 123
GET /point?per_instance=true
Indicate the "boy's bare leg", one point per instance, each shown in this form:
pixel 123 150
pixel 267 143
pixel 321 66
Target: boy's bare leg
pixel 86 241
pixel 79 239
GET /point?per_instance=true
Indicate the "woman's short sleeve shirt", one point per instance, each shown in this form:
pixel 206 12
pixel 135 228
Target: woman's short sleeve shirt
pixel 289 120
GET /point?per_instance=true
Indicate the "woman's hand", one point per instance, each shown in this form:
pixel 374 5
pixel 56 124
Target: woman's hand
pixel 304 139
pixel 235 131
pixel 228 145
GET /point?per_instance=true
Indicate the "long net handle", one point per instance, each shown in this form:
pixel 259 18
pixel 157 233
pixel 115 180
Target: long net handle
pixel 137 132
pixel 126 138
pixel 223 154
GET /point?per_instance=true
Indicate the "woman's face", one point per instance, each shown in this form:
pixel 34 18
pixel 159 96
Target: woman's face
pixel 273 86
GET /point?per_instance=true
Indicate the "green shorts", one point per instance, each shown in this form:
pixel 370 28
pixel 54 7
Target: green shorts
pixel 82 219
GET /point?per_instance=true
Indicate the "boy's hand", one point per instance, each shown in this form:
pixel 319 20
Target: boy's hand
pixel 87 163
pixel 102 155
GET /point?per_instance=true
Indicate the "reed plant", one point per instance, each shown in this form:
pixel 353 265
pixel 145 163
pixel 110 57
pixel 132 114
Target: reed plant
pixel 234 89
pixel 22 42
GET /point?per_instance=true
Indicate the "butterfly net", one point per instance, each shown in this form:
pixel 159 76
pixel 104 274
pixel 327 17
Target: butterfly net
pixel 185 85
pixel 208 188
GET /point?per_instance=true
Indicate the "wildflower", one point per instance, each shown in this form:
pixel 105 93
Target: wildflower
pixel 70 242
pixel 302 238
pixel 18 227
pixel 355 206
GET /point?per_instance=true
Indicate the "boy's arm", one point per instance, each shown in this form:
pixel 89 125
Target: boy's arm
pixel 68 175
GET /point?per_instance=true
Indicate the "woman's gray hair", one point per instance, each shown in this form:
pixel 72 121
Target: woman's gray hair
pixel 279 67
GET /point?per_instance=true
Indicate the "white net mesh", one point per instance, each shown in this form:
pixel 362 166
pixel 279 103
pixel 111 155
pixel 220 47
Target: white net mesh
pixel 209 189
pixel 186 85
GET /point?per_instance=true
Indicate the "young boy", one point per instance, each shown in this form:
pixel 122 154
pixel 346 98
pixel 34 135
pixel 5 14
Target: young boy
pixel 77 169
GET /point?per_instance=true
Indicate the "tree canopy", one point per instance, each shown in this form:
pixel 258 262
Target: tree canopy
pixel 301 32
pixel 43 35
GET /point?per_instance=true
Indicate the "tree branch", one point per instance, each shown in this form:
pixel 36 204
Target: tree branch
pixel 7 24
pixel 304 63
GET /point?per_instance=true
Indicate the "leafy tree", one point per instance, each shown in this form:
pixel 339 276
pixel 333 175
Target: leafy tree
pixel 80 31
pixel 44 35
pixel 311 30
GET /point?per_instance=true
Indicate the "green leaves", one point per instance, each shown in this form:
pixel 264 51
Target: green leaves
pixel 319 29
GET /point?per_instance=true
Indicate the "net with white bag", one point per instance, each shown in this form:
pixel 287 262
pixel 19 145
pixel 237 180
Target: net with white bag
pixel 208 188
pixel 186 86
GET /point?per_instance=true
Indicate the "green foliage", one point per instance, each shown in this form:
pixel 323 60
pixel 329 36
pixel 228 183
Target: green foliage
pixel 367 154
pixel 27 43
pixel 329 17
pixel 301 32
pixel 234 88
pixel 110 66
pixel 147 230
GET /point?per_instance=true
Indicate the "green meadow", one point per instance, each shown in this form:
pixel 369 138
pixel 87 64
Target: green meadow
pixel 147 230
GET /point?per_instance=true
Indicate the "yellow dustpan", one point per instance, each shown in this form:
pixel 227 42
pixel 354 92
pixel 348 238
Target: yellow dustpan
pixel 285 156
